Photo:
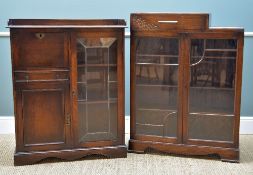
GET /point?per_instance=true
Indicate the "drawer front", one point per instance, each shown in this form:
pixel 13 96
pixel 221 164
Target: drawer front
pixel 40 76
pixel 163 22
pixel 39 49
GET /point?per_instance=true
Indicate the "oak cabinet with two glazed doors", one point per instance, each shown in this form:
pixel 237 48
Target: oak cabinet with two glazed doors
pixel 185 85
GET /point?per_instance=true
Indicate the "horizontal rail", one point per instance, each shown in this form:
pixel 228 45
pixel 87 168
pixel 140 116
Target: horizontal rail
pixel 66 26
pixel 127 34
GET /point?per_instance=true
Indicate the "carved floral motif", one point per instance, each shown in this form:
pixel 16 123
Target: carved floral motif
pixel 140 23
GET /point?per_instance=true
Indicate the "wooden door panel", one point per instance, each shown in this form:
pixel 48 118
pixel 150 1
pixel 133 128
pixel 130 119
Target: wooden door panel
pixel 43 112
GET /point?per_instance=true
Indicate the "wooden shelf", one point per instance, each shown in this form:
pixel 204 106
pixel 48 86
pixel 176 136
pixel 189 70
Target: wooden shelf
pixel 96 65
pixel 175 86
pixel 97 101
pixel 156 64
pixel 221 50
pixel 156 55
pixel 148 109
pixel 80 82
pixel 157 85
pixel 149 124
pixel 81 101
pixel 211 114
pixel 112 81
pixel 212 57
pixel 193 87
pixel 212 88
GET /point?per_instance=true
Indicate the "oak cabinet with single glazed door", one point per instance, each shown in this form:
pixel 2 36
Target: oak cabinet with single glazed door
pixel 68 79
pixel 185 85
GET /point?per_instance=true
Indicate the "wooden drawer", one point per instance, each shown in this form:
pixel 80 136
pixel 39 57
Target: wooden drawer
pixel 39 49
pixel 167 21
pixel 40 76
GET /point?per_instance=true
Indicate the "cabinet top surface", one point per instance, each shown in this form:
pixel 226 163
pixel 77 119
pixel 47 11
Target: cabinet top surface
pixel 169 13
pixel 66 23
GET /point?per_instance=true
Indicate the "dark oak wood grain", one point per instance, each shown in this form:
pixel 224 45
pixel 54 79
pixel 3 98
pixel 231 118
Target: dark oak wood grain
pixel 208 82
pixel 50 117
pixel 25 158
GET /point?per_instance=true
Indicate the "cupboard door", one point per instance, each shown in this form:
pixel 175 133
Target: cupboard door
pixel 156 86
pixel 97 89
pixel 212 90
pixel 43 114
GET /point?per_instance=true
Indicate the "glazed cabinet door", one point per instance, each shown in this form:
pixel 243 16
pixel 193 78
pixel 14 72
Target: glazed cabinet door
pixel 213 103
pixel 97 63
pixel 155 99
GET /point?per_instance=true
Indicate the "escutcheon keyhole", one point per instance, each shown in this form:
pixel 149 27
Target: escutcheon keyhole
pixel 40 35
